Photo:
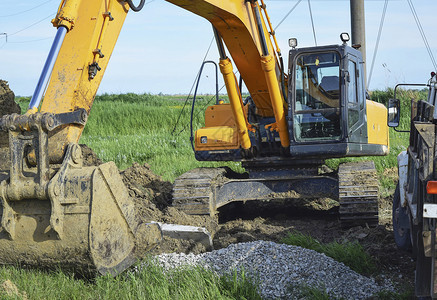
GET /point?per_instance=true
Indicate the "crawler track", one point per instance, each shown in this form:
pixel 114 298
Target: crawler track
pixel 358 194
pixel 193 191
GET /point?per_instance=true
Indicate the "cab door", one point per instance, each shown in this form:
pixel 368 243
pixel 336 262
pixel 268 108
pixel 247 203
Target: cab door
pixel 355 98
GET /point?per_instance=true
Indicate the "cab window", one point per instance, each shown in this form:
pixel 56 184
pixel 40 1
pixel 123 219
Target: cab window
pixel 316 112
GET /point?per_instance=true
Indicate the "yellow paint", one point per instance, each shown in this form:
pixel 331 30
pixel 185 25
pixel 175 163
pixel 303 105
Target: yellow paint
pixel 70 87
pixel 272 32
pixel 32 111
pixel 377 129
pixel 218 138
pixel 219 115
pixel 68 12
pixel 236 103
pixel 268 65
pixel 234 20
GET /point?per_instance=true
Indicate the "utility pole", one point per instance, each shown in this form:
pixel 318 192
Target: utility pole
pixel 358 29
pixel 5 34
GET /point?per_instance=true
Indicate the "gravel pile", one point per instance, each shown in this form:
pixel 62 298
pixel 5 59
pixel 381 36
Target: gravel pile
pixel 279 268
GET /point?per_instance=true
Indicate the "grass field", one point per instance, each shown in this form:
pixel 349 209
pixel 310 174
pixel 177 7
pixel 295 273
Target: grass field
pixel 149 282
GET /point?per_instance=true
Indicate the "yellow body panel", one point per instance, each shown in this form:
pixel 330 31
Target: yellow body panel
pixel 70 87
pixel 220 129
pixel 236 102
pixel 377 129
pixel 217 138
pixel 219 115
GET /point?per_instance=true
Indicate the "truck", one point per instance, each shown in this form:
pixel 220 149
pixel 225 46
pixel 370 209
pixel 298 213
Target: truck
pixel 56 211
pixel 414 201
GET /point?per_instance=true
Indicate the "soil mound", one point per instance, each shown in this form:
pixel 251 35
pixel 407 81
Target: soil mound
pixel 7 100
pixel 89 157
pixel 145 185
pixel 7 106
pixel 152 197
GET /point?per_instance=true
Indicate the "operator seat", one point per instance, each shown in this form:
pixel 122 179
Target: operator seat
pixel 330 85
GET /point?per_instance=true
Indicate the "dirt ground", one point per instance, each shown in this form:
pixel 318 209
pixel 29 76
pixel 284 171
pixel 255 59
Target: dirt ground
pixel 243 223
pixel 7 103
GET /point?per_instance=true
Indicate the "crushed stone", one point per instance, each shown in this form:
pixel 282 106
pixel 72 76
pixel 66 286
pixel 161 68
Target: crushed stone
pixel 281 270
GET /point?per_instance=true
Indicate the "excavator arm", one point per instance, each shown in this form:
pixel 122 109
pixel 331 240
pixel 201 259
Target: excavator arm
pixel 56 210
pixel 88 31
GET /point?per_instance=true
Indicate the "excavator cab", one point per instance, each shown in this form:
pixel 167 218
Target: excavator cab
pixel 316 113
pixel 328 114
pixel 328 105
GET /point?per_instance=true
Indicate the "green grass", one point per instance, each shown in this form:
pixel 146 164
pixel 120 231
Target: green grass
pixel 151 282
pixel 131 128
pixel 352 254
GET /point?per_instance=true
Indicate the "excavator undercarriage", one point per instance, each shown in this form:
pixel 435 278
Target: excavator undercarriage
pixel 203 191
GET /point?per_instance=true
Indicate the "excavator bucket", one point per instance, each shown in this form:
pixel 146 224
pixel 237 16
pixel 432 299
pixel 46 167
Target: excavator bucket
pixel 65 215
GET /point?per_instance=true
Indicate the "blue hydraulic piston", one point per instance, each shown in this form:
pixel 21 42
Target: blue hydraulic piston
pixel 47 70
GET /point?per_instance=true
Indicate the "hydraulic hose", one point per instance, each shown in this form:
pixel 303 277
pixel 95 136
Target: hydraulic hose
pixel 136 8
pixel 195 95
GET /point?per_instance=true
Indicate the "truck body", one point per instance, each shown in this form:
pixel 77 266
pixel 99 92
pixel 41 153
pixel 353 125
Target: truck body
pixel 415 202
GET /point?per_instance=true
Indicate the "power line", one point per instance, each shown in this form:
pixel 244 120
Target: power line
pixel 312 22
pixel 31 41
pixel 422 33
pixel 289 12
pixel 24 11
pixel 188 97
pixel 33 24
pixel 25 28
pixel 381 24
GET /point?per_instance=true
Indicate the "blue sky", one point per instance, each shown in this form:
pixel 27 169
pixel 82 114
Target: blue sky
pixel 160 49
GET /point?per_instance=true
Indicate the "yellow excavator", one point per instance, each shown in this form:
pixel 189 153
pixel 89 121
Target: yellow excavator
pixel 57 211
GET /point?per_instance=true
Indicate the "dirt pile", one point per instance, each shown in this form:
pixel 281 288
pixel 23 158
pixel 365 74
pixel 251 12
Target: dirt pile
pixel 152 197
pixel 7 100
pixel 146 186
pixel 89 157
pixel 7 106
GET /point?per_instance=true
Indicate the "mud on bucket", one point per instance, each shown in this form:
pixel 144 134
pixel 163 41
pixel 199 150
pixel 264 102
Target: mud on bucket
pixel 80 218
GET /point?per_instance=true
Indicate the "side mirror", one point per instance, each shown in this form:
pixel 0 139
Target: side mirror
pixel 394 109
